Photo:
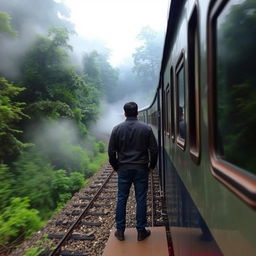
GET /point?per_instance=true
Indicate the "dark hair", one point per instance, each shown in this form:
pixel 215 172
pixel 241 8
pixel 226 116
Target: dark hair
pixel 131 109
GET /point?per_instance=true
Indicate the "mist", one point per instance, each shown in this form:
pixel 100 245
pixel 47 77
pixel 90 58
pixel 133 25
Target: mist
pixel 61 143
pixel 62 94
pixel 50 134
pixel 112 113
pixel 33 18
pixel 29 19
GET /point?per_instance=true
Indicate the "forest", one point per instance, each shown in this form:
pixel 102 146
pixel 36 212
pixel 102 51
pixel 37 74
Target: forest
pixel 48 103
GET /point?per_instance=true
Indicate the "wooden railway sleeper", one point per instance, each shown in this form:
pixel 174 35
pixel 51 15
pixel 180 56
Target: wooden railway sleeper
pixel 66 236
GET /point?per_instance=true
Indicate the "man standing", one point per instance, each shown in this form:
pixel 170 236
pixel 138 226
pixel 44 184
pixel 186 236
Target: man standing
pixel 132 153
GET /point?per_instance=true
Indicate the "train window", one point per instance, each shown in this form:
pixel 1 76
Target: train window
pixel 164 113
pixel 172 107
pixel 193 88
pixel 168 112
pixel 180 110
pixel 232 96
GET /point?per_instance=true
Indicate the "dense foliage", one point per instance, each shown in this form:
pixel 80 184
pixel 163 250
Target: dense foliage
pixel 17 220
pixel 46 151
pixel 10 112
pixel 47 105
pixel 99 72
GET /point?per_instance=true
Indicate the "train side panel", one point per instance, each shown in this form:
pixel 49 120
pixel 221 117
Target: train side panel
pixel 197 195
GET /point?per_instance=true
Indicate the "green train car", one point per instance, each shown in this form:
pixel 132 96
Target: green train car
pixel 204 116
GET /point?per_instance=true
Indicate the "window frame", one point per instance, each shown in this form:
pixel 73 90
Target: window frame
pixel 240 182
pixel 167 104
pixel 164 111
pixel 181 143
pixel 194 103
pixel 172 106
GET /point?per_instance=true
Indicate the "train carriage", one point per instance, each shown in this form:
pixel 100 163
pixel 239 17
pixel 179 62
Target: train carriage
pixel 203 115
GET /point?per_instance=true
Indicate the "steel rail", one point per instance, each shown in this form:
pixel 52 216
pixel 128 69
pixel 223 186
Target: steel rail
pixel 76 223
pixel 152 199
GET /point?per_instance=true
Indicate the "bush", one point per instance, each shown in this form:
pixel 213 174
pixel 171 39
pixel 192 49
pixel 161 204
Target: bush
pixel 34 179
pixel 6 188
pixel 18 220
pixel 64 185
pixel 101 147
pixel 76 181
pixel 74 158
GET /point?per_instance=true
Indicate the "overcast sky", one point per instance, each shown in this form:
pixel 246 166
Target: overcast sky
pixel 117 22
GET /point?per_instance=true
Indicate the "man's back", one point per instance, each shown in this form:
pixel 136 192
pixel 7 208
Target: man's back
pixel 132 140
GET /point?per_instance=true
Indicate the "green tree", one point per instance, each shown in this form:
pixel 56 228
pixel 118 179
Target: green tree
pixel 76 181
pixel 100 147
pixel 91 69
pixel 50 109
pixel 147 57
pixel 6 185
pixel 65 185
pixel 61 186
pixel 46 69
pixel 100 74
pixel 108 77
pixel 54 88
pixel 25 19
pixel 87 107
pixel 34 176
pixel 5 26
pixel 10 113
pixel 27 22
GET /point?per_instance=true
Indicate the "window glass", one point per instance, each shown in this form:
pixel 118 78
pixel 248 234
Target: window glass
pixel 236 84
pixel 181 103
pixel 165 112
pixel 172 107
pixel 168 108
pixel 193 87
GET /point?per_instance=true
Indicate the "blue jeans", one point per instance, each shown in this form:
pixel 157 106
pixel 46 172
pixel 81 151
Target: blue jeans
pixel 140 180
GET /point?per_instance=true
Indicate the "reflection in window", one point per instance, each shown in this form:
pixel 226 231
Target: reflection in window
pixel 236 84
pixel 181 103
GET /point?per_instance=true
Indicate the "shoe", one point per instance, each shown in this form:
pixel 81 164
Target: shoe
pixel 143 234
pixel 119 235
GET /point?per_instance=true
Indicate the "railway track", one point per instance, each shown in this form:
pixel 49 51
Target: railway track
pixel 83 226
pixel 155 199
pixel 87 215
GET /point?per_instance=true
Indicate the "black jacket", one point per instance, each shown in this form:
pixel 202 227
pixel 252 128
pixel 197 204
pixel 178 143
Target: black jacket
pixel 132 145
